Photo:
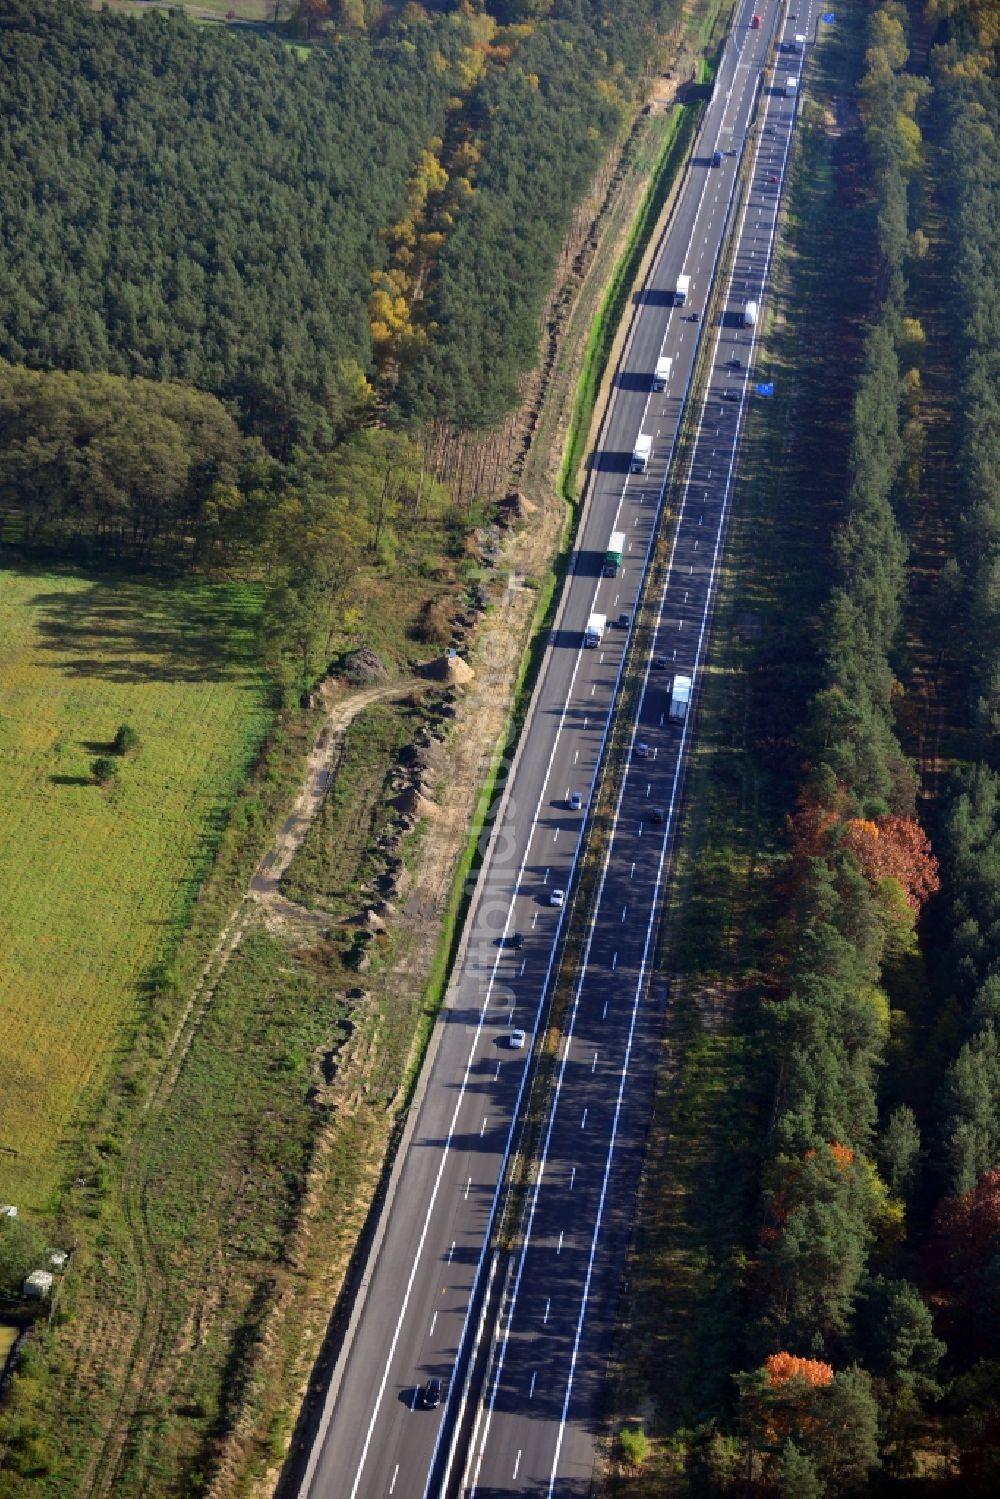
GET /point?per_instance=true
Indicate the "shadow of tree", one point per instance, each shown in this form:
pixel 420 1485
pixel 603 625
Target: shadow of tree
pixel 123 630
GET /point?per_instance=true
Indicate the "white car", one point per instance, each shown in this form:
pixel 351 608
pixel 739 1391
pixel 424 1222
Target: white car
pixel 557 897
pixel 517 1040
pixel 642 750
pixel 576 801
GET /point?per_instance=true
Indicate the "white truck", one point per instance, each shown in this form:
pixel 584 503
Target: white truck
pixel 750 315
pixel 680 697
pixel 681 290
pixel 640 453
pixel 799 44
pixel 594 633
pixel 662 372
pixel 791 87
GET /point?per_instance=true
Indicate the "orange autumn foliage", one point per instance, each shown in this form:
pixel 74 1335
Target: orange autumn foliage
pixel 843 1155
pixel 808 829
pixel 897 847
pixel 784 1367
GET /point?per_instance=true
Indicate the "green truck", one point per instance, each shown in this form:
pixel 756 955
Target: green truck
pixel 613 556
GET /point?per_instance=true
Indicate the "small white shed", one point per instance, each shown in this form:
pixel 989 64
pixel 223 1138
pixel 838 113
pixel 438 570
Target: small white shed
pixel 38 1285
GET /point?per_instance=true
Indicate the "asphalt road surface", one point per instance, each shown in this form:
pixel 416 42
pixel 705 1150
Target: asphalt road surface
pixel 536 1427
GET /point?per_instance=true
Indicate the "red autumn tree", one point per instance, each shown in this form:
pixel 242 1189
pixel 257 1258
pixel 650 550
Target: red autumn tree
pixel 962 1256
pixel 966 1229
pixel 895 847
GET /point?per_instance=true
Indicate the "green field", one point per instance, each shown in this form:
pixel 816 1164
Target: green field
pixel 97 881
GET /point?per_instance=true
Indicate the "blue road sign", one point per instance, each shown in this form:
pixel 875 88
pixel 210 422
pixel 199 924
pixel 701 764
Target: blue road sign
pixel 829 18
pixel 766 390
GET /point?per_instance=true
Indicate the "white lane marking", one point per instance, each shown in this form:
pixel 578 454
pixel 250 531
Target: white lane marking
pixel 576 757
pixel 548 1303
pixel 451 1251
pixel 555 835
pixel 482 1127
pixel 534 918
pixel 395 1475
pixel 523 964
pixel 649 933
pixel 572 1178
pixel 497 1078
pixel 433 1325
pixel 517 1464
pixel 531 1388
pixel 474 1043
pixel 499 1366
pixel 614 960
pixel 631 873
pixel 559 1245
pixel 583 1121
pixel 604 1012
pixel 625 908
pixel 593 1065
pixel 468 1188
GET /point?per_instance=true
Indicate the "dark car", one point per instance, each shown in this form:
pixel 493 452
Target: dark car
pixel 656 814
pixel 660 663
pixel 730 395
pixel 694 317
pixel 517 941
pixel 430 1395
pixel 716 158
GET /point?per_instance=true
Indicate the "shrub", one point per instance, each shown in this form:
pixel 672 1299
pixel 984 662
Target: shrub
pixel 634 1446
pixel 104 770
pixel 125 740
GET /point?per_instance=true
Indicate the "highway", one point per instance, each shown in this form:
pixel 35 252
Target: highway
pixel 535 1429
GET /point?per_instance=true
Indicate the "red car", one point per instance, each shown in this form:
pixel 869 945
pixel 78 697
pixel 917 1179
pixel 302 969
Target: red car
pixel 755 24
